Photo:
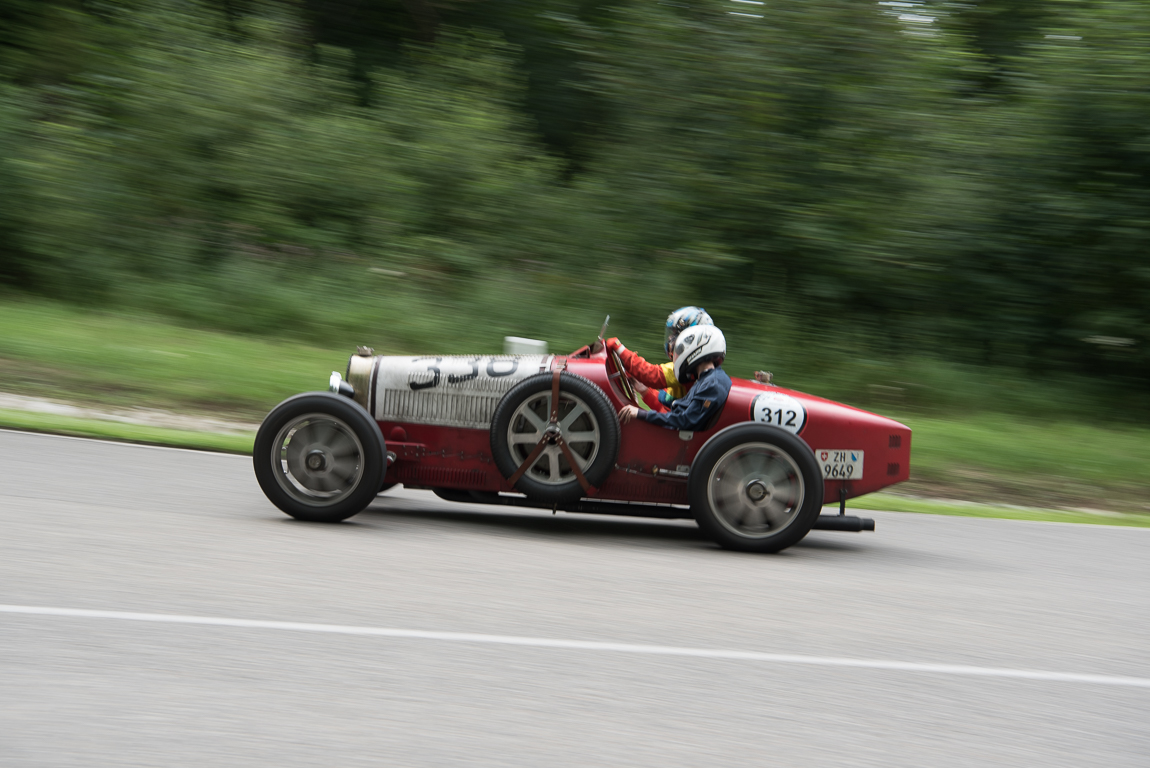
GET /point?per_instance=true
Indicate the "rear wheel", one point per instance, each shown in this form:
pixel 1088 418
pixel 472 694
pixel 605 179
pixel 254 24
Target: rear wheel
pixel 756 488
pixel 319 457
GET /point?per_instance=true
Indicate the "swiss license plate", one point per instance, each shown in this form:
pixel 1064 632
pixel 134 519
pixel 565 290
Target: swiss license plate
pixel 840 465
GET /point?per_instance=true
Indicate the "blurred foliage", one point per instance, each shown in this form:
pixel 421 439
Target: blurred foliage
pixel 896 195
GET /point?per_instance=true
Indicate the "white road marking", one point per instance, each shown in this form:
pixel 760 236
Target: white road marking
pixel 585 645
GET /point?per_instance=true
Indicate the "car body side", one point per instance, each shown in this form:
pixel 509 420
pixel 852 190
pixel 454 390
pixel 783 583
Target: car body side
pixel 435 415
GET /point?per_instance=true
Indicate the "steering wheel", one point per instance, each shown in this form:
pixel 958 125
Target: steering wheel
pixel 613 356
pixel 624 382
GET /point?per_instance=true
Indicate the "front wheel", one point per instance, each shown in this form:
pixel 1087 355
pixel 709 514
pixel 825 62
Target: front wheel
pixel 320 457
pixel 756 488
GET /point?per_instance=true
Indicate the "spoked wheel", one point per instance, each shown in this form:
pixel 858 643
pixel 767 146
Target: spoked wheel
pixel 756 488
pixel 585 421
pixel 319 457
pixel 577 425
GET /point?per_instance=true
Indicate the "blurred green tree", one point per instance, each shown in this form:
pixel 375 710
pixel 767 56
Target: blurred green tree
pixel 872 181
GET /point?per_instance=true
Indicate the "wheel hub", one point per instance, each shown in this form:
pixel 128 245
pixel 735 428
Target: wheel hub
pixel 316 461
pixel 757 490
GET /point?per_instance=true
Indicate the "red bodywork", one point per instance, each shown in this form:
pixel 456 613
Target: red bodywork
pixel 449 457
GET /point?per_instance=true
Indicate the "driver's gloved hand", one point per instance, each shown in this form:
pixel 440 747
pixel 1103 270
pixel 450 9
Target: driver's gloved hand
pixel 614 344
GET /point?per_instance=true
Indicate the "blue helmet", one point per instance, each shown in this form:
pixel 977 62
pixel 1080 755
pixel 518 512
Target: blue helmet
pixel 681 318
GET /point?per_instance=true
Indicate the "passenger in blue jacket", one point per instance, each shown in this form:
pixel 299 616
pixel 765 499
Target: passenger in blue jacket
pixel 698 353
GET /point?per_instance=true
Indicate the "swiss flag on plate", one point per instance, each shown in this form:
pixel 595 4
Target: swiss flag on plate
pixel 825 454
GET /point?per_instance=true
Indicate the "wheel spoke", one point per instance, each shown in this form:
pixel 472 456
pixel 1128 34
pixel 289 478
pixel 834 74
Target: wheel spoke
pixel 566 422
pixel 315 482
pixel 728 499
pixel 539 465
pixel 741 467
pixel 786 490
pixel 758 463
pixel 776 512
pixel 552 454
pixel 582 462
pixel 755 517
pixel 304 436
pixel 779 475
pixel 343 446
pixel 523 438
pixel 535 421
pixel 324 432
pixel 344 469
pixel 579 437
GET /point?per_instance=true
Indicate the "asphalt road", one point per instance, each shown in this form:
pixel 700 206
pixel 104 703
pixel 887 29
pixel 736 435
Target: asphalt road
pixel 91 525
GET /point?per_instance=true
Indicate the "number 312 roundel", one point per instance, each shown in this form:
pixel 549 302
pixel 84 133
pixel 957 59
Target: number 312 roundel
pixel 779 410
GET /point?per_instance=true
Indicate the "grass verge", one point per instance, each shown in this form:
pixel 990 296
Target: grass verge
pixel 1007 460
pixel 125 359
pixel 129 433
pixel 891 502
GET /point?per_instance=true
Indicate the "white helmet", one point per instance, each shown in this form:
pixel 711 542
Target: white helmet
pixel 696 345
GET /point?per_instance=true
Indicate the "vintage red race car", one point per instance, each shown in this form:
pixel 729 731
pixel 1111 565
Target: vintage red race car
pixel 543 431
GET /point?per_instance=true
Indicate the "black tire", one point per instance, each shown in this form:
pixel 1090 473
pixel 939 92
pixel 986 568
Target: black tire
pixel 756 488
pixel 338 468
pixel 597 417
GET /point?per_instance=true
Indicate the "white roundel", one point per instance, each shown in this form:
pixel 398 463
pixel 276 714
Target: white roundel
pixel 779 410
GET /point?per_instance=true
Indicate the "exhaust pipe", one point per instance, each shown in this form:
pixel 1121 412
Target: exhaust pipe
pixel 848 523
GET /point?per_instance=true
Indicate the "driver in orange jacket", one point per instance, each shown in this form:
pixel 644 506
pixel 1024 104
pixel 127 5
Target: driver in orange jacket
pixel 658 381
pixel 659 387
